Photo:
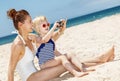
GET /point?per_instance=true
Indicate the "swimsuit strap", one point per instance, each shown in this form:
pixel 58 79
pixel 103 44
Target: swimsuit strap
pixel 22 38
pixel 34 46
pixel 16 32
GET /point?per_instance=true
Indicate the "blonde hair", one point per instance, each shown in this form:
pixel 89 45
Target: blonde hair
pixel 37 21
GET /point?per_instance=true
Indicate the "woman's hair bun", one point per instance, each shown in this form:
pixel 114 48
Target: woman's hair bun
pixel 11 13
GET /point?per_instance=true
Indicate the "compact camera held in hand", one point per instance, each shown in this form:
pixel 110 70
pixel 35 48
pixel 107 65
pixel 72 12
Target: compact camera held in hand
pixel 61 24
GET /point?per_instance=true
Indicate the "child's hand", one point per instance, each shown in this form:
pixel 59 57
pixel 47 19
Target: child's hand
pixel 56 25
pixel 64 26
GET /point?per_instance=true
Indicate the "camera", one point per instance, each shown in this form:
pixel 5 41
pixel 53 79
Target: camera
pixel 61 24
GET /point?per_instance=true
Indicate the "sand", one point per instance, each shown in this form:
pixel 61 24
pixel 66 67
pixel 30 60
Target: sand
pixel 86 40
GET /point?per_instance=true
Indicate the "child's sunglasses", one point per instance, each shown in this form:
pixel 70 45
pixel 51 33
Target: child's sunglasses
pixel 45 25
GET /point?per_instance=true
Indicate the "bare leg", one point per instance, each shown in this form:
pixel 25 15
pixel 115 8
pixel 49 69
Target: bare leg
pixel 54 62
pixel 80 65
pixel 47 74
pixel 71 69
pixel 77 63
pixel 64 61
pixel 106 57
pixel 44 75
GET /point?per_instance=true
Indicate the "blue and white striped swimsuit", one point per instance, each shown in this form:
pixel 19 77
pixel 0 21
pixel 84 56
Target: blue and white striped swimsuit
pixel 46 52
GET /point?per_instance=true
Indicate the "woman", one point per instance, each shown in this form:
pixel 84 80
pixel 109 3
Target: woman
pixel 22 52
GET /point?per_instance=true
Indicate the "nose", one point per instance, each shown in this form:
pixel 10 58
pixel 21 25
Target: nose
pixel 32 25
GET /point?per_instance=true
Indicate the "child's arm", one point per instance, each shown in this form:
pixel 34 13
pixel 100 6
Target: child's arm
pixel 38 40
pixel 47 37
pixel 60 31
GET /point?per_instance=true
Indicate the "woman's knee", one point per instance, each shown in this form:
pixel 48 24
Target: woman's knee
pixel 61 57
pixel 64 58
pixel 70 55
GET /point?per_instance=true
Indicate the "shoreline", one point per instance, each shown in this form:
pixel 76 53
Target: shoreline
pixel 75 21
pixel 86 41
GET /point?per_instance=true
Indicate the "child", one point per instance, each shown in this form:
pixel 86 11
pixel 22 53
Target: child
pixel 47 53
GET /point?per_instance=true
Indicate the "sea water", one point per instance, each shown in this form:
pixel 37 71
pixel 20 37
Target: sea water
pixel 74 21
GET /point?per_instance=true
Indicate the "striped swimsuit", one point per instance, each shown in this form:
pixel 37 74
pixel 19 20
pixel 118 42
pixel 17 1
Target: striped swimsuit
pixel 46 52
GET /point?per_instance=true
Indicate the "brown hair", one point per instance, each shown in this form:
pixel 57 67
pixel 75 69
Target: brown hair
pixel 17 16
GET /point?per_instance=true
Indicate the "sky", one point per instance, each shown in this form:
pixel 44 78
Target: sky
pixel 52 9
pixel 34 7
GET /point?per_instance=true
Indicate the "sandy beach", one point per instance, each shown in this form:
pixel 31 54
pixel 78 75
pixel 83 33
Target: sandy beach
pixel 86 40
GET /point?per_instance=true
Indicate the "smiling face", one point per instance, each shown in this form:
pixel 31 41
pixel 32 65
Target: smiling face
pixel 44 27
pixel 41 25
pixel 27 25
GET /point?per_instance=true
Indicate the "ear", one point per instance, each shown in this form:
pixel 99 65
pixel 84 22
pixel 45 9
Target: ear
pixel 20 24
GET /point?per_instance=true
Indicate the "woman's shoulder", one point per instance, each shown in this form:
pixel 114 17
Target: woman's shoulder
pixel 17 44
pixel 17 48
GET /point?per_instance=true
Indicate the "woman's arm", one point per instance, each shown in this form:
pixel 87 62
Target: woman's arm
pixel 15 53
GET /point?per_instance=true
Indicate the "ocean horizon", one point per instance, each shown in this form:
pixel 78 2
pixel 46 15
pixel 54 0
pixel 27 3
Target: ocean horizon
pixel 73 21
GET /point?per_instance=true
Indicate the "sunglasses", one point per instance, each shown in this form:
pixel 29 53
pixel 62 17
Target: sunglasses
pixel 45 25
